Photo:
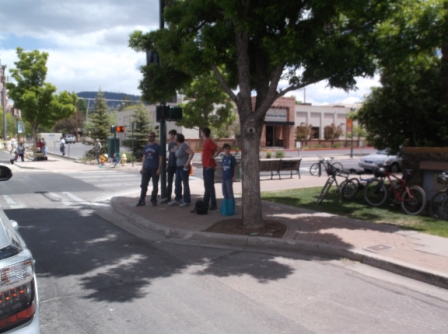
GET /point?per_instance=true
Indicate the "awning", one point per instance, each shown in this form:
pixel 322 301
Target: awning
pixel 278 123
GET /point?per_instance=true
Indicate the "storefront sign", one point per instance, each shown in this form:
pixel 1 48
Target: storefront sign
pixel 276 115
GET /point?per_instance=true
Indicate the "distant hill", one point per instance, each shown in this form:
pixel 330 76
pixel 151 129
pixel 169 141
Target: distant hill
pixel 113 99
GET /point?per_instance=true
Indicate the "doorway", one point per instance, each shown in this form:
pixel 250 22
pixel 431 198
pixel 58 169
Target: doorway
pixel 269 136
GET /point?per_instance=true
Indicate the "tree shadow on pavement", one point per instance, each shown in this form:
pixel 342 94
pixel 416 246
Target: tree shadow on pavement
pixel 78 253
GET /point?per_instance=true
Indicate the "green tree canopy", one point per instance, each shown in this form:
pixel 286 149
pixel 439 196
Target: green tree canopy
pixel 257 44
pixel 408 108
pixel 208 105
pixel 37 100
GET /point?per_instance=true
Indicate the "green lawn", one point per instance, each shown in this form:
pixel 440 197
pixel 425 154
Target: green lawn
pixel 358 209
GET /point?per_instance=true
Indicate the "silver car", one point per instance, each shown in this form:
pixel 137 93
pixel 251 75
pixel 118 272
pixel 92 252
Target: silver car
pixel 382 157
pixel 19 302
pixel 70 139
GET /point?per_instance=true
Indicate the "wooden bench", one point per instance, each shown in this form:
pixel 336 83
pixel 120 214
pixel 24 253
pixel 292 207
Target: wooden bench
pixel 291 165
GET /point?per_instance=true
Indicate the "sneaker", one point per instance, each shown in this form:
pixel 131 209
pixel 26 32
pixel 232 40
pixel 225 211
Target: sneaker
pixel 184 204
pixel 213 207
pixel 172 203
pixel 165 200
pixel 141 203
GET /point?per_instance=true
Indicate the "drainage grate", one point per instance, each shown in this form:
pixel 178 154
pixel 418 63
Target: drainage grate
pixel 379 248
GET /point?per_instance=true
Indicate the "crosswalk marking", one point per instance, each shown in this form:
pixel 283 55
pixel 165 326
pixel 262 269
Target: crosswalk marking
pixel 11 203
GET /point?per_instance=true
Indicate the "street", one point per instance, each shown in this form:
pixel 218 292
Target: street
pixel 96 278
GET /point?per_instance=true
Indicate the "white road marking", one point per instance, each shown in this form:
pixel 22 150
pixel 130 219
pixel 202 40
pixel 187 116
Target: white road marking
pixel 12 204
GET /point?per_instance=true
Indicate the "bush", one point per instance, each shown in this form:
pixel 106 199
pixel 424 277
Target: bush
pixel 279 154
pixel 268 154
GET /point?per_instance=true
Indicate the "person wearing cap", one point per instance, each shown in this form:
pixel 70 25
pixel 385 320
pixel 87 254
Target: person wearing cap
pixel 97 149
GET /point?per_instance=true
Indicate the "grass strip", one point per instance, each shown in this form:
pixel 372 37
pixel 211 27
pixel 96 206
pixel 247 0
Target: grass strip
pixel 357 208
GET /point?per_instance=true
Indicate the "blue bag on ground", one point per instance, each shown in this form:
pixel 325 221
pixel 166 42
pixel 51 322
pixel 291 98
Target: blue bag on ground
pixel 228 207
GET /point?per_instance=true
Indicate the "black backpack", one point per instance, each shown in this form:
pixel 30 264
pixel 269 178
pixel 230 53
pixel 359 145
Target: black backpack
pixel 200 208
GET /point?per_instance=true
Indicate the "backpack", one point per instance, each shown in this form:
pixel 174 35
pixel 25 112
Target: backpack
pixel 200 208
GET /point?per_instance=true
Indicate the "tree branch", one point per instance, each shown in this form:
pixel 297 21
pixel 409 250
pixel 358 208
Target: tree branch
pixel 223 83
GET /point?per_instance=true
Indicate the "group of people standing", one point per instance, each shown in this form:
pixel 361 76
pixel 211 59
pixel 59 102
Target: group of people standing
pixel 178 170
pixel 19 149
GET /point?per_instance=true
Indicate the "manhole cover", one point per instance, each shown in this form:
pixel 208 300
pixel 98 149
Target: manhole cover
pixel 378 248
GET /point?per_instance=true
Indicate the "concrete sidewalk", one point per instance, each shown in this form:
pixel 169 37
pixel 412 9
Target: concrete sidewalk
pixel 419 256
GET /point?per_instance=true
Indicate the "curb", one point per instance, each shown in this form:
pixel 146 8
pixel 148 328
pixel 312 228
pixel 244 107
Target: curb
pixel 269 244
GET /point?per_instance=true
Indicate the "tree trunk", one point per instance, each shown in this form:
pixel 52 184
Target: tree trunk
pixel 250 150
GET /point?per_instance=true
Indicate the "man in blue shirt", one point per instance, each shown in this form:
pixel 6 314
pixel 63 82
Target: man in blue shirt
pixel 151 165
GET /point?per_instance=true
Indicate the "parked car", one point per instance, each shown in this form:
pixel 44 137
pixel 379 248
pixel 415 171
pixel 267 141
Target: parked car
pixel 382 157
pixel 19 302
pixel 70 139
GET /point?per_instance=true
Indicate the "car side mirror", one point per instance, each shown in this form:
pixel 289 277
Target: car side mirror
pixel 5 173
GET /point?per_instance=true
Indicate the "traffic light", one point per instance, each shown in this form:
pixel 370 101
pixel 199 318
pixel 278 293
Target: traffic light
pixel 152 57
pixel 169 113
pixel 117 128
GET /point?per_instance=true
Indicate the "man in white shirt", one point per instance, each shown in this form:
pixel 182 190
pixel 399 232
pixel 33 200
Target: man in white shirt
pixel 62 146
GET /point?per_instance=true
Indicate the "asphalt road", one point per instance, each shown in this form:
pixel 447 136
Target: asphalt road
pixel 96 278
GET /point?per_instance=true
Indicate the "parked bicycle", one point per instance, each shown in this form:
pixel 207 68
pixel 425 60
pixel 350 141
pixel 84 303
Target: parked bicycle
pixel 360 181
pixel 377 191
pixel 438 207
pixel 346 189
pixel 324 163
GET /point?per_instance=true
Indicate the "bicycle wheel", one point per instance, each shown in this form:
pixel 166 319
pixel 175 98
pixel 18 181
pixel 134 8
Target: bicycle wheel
pixel 337 166
pixel 325 190
pixel 414 201
pixel 375 192
pixel 314 169
pixel 438 208
pixel 350 188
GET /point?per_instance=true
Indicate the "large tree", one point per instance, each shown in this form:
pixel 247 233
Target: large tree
pixel 137 139
pixel 409 107
pixel 258 44
pixel 36 99
pixel 99 122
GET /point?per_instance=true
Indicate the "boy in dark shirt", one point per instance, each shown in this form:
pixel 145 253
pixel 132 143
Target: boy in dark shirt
pixel 229 170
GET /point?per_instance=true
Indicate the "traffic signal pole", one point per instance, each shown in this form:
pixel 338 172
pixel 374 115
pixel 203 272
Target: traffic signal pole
pixel 162 123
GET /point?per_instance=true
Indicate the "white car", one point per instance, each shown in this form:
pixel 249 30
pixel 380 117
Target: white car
pixel 382 157
pixel 70 139
pixel 19 302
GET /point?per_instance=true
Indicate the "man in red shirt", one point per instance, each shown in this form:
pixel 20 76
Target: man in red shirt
pixel 208 165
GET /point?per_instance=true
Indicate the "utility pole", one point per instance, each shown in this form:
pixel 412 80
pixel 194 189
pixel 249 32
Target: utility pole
pixel 3 80
pixel 162 121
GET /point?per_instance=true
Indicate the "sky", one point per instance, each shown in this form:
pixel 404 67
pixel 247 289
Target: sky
pixel 87 43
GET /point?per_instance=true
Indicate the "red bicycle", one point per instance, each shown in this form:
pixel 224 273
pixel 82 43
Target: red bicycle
pixel 377 191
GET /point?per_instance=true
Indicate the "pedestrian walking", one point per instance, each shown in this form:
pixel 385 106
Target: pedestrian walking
pixel 13 145
pixel 151 165
pixel 97 150
pixel 229 170
pixel 62 146
pixel 21 151
pixel 171 166
pixel 184 155
pixel 208 168
pixel 44 147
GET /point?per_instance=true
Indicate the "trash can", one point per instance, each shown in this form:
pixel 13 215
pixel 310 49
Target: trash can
pixel 113 146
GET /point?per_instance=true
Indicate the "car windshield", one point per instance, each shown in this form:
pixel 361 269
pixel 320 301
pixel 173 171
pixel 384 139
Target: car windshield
pixel 383 152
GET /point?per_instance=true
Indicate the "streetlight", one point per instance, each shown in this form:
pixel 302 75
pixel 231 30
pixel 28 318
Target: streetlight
pixel 3 81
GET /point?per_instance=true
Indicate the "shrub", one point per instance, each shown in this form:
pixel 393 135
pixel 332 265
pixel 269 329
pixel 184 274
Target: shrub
pixel 279 154
pixel 268 154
